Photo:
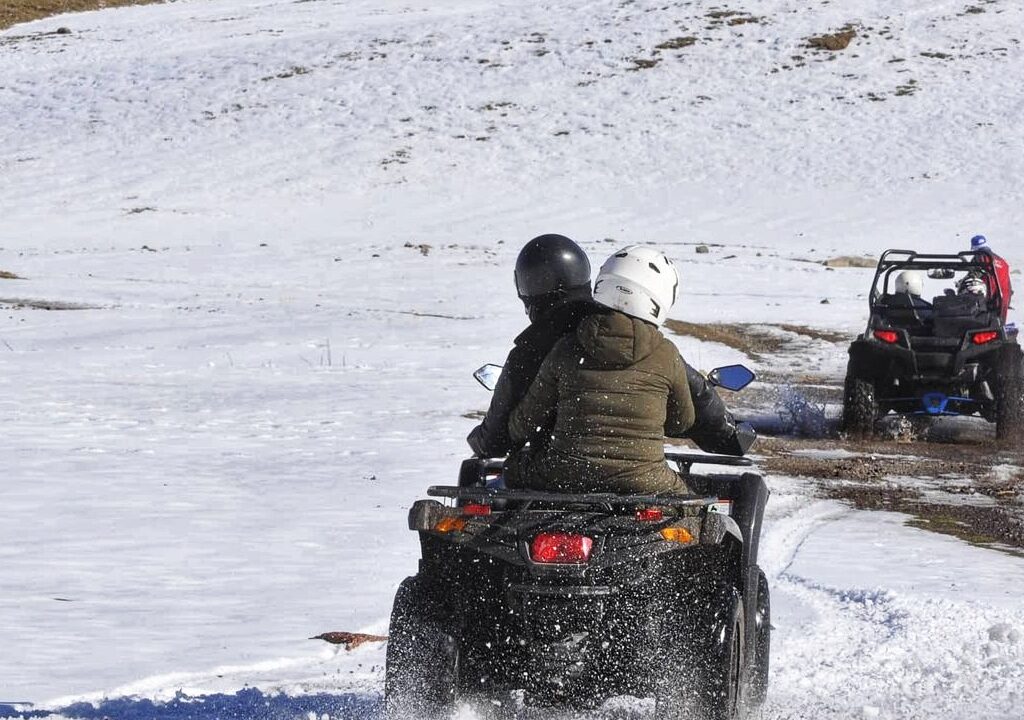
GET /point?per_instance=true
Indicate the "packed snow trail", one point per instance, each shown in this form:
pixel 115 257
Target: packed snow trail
pixel 282 235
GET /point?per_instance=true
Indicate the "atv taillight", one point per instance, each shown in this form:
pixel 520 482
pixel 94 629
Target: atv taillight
pixel 981 338
pixel 650 515
pixel 887 336
pixel 561 548
pixel 476 509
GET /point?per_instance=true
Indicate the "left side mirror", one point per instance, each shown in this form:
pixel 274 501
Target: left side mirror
pixel 732 377
pixel 488 375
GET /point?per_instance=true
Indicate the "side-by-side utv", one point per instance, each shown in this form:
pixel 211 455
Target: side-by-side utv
pixel 950 354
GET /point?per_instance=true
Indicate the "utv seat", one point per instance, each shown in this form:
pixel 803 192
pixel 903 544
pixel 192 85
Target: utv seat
pixel 903 311
pixel 956 314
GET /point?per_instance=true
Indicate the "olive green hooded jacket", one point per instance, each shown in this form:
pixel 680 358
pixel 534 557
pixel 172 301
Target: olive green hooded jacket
pixel 597 414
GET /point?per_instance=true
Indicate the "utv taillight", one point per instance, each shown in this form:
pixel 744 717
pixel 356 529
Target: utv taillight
pixel 981 338
pixel 476 509
pixel 561 549
pixel 887 336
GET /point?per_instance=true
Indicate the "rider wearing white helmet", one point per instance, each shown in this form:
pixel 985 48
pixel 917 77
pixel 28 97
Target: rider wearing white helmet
pixel 972 284
pixel 607 395
pixel 909 286
pixel 639 281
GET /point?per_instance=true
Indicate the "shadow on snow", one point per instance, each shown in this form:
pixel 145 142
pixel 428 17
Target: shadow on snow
pixel 249 704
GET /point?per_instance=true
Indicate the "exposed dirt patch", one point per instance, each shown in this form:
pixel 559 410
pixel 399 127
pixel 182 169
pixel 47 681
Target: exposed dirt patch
pixel 755 340
pixel 816 333
pixel 676 43
pixel 6 275
pixel 836 41
pixel 745 338
pixel 895 476
pixel 25 303
pixel 851 261
pixel 643 63
pixel 13 12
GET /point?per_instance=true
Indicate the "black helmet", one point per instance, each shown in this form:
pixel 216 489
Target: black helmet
pixel 550 264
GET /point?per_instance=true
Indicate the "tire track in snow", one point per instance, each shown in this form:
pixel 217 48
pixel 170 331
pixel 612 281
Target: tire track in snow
pixel 843 651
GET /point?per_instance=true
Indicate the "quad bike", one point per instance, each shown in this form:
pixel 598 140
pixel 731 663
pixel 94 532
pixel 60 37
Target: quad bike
pixel 951 356
pixel 565 600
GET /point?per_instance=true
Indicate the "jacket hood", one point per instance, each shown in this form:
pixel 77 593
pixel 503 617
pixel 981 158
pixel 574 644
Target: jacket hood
pixel 615 340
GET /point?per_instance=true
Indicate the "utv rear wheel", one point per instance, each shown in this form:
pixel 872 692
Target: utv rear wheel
pixel 421 667
pixel 860 408
pixel 706 670
pixel 1010 400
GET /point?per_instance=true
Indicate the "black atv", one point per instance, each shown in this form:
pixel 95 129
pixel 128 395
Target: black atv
pixel 951 355
pixel 566 600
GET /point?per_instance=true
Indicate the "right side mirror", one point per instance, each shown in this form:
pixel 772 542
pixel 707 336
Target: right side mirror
pixel 487 375
pixel 732 377
pixel 941 274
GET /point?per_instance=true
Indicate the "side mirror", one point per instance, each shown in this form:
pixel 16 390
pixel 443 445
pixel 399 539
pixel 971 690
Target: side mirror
pixel 732 377
pixel 941 274
pixel 488 375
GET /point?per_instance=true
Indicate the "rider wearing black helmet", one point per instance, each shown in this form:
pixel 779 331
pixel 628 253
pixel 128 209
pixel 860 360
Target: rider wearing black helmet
pixel 552 279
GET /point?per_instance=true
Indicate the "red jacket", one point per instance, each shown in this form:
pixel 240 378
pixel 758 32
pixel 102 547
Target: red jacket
pixel 999 280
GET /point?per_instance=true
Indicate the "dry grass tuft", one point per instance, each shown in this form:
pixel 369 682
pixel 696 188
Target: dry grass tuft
pixel 13 12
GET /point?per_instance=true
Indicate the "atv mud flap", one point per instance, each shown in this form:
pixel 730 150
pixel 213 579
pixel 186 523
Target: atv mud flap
pixel 561 628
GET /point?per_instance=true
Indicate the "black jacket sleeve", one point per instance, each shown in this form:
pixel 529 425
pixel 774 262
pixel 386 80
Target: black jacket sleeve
pixel 491 438
pixel 714 430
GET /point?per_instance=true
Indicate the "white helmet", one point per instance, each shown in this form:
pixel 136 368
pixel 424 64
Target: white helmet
pixel 910 282
pixel 638 281
pixel 971 284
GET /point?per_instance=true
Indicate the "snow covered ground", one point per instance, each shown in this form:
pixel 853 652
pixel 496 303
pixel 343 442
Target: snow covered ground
pixel 283 234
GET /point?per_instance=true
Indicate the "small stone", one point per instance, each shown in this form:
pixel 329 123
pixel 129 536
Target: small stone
pixel 63 31
pixel 703 249
pixel 825 302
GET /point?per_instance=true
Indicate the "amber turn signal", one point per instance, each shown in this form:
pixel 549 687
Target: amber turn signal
pixel 677 534
pixel 448 524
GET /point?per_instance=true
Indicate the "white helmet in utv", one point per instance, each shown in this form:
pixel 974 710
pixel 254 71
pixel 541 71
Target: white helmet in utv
pixel 971 284
pixel 910 282
pixel 638 281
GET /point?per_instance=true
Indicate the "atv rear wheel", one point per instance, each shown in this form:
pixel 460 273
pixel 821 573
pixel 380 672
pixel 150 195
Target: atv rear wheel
pixel 1010 400
pixel 421 668
pixel 757 687
pixel 707 668
pixel 860 408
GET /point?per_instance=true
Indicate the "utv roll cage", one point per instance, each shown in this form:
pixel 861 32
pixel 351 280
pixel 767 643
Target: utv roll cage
pixel 894 261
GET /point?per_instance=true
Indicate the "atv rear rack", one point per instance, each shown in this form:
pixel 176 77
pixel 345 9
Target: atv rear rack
pixel 686 460
pixel 480 494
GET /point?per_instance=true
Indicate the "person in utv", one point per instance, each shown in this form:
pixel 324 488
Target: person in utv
pixel 998 279
pixel 909 287
pixel 552 278
pixel 606 396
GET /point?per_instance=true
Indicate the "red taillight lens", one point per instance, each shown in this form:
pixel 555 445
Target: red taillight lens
pixel 981 338
pixel 650 515
pixel 561 548
pixel 887 336
pixel 476 509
